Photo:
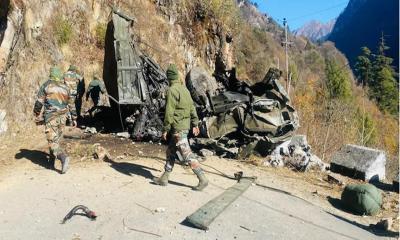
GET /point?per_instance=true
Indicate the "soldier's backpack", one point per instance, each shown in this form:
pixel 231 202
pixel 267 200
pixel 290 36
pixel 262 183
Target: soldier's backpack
pixel 364 199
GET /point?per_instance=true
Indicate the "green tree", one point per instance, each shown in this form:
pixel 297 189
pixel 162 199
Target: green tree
pixel 383 84
pixel 338 81
pixel 363 66
pixel 366 128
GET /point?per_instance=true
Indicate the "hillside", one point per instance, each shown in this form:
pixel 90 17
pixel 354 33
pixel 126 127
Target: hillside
pixel 365 21
pixel 207 33
pixel 315 30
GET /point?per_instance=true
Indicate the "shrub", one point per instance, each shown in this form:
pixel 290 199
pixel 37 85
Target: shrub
pixel 63 30
pixel 100 32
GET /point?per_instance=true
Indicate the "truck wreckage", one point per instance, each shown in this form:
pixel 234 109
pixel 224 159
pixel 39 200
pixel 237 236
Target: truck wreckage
pixel 234 115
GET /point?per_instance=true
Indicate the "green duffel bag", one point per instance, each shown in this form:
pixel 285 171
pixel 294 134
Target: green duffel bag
pixel 364 199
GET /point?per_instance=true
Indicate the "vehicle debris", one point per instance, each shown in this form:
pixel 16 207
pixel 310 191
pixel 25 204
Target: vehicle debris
pixel 295 153
pixel 91 130
pixel 138 230
pixel 85 212
pixel 205 215
pixel 100 152
pixel 336 179
pixel 384 224
pixel 123 135
pixel 233 113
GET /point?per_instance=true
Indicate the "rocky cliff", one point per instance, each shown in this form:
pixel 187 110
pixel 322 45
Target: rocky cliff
pixel 316 30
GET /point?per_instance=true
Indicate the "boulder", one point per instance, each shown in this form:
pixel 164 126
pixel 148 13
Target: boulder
pixel 359 162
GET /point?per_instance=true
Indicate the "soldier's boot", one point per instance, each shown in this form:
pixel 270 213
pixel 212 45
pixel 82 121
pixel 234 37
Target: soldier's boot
pixel 163 180
pixel 203 181
pixel 64 162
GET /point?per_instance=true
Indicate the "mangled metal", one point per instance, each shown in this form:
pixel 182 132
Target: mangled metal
pixel 138 84
pixel 235 116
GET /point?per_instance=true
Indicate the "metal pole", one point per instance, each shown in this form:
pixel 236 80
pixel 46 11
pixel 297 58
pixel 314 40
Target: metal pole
pixel 286 55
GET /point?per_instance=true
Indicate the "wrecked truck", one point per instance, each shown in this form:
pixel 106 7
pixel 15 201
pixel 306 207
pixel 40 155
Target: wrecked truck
pixel 234 115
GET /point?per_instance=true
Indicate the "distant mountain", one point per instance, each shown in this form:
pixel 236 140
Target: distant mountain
pixel 362 23
pixel 250 12
pixel 315 30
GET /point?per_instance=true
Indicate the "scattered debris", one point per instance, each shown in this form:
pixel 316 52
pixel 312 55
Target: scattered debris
pixel 205 215
pixel 148 209
pixel 3 123
pixel 246 228
pixel 159 210
pixel 359 162
pixel 137 230
pixel 295 153
pixel 385 224
pixel 396 183
pixel 91 130
pixel 85 211
pixel 336 179
pixel 101 153
pixel 123 135
pixel 206 153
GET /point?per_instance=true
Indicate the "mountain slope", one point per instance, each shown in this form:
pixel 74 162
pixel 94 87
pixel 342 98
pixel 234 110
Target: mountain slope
pixel 315 30
pixel 362 23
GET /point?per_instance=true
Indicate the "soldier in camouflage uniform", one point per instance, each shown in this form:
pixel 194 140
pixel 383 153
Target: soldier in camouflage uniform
pixel 96 86
pixel 76 84
pixel 54 97
pixel 180 115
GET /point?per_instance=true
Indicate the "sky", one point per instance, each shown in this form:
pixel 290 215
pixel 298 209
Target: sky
pixel 299 12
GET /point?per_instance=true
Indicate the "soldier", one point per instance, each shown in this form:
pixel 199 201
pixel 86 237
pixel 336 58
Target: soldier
pixel 96 86
pixel 180 115
pixel 76 84
pixel 53 96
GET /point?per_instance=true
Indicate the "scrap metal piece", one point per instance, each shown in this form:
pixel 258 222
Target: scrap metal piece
pixel 205 215
pixel 74 211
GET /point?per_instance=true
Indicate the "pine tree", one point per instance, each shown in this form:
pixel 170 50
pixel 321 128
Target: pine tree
pixel 363 66
pixel 338 82
pixel 383 84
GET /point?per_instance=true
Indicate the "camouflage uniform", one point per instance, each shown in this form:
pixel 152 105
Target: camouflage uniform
pixel 180 115
pixel 96 86
pixel 76 85
pixel 54 96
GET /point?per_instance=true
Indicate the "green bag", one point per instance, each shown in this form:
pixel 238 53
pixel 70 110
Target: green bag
pixel 363 199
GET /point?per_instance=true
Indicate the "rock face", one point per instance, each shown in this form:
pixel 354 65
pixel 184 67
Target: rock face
pixel 315 30
pixel 359 162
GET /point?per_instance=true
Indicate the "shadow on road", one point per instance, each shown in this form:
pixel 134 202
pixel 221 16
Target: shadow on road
pixel 132 169
pixel 37 157
pixel 371 229
pixel 140 170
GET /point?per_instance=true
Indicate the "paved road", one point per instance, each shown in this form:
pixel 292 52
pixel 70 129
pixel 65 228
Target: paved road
pixel 33 200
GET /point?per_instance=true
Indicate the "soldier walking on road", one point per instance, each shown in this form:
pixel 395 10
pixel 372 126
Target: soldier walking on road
pixel 76 85
pixel 54 96
pixel 180 116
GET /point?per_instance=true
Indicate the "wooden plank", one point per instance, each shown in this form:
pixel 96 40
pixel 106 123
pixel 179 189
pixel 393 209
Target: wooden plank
pixel 205 215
